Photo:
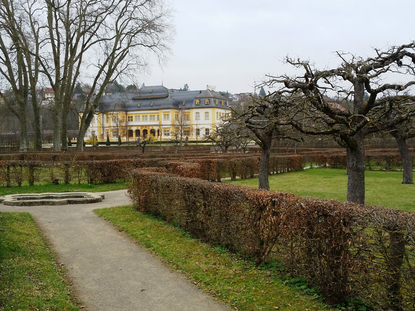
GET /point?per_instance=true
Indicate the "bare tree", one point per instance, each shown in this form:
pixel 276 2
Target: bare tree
pixel 315 115
pixel 223 136
pixel 388 110
pixel 181 126
pixel 19 70
pixel 266 117
pixel 101 40
pixel 134 29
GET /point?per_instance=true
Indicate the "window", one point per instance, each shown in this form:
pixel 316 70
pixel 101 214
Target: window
pixel 207 102
pixel 145 118
pixel 114 133
pixel 197 102
pixel 197 116
pixel 108 119
pixel 206 115
pixel 197 132
pixel 137 118
pixel 187 117
pixel 186 133
pixel 206 132
pixel 166 132
pixel 158 118
pixel 130 118
pixel 152 118
pixel 217 115
pixel 166 117
pixel 115 119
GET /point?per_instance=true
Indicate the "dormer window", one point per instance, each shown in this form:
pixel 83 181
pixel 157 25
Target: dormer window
pixel 138 105
pixel 184 103
pixel 216 101
pixel 151 104
pixel 197 102
pixel 207 102
pixel 151 91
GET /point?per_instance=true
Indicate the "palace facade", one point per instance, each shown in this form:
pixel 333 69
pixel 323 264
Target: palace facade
pixel 157 112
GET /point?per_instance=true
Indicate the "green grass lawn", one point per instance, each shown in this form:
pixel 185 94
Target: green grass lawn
pixel 382 188
pixel 30 277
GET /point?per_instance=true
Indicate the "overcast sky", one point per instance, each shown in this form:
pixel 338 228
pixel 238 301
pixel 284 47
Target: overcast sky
pixel 233 44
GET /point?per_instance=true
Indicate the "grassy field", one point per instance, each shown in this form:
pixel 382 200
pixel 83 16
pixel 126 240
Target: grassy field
pixel 236 282
pixel 30 277
pixel 382 188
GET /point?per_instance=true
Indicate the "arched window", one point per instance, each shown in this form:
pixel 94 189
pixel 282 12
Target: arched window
pixel 206 132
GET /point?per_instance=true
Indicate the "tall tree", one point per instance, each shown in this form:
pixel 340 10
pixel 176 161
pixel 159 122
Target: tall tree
pixel 98 40
pixel 134 29
pixel 316 115
pixel 18 68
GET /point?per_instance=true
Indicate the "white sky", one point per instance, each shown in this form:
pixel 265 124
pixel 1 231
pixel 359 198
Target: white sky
pixel 232 44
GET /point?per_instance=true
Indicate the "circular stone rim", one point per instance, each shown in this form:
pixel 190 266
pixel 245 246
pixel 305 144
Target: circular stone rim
pixel 51 198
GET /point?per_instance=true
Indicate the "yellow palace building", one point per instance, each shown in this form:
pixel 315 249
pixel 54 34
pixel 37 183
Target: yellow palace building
pixel 155 111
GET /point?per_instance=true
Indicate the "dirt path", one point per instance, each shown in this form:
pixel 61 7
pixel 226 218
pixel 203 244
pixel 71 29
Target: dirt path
pixel 108 270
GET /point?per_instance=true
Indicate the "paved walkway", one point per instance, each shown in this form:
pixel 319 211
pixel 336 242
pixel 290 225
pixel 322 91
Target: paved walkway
pixel 108 270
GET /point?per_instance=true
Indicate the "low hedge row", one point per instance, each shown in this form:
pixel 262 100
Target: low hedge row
pixel 348 251
pixel 374 159
pixel 16 172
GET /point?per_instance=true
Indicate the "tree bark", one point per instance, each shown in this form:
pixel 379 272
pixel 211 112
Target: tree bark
pixel 263 182
pixel 38 132
pixel 356 171
pixel 406 158
pixel 23 127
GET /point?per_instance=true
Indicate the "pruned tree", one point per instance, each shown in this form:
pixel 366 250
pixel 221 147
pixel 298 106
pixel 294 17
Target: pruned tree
pixel 392 108
pixel 266 117
pixel 223 136
pixel 316 115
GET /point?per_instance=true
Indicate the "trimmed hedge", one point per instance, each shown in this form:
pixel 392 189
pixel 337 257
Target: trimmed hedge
pixel 348 251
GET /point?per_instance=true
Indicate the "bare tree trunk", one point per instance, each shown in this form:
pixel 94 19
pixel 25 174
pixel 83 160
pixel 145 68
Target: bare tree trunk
pixel 263 182
pixel 356 171
pixel 23 147
pixel 64 127
pixel 38 133
pixel 57 126
pixel 406 158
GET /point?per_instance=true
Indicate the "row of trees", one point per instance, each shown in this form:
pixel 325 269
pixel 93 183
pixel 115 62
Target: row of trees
pixel 301 105
pixel 60 42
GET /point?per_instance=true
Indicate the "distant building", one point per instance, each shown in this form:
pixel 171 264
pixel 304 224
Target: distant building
pixel 156 111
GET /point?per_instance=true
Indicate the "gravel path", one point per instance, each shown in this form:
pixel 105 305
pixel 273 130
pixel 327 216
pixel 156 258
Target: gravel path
pixel 107 269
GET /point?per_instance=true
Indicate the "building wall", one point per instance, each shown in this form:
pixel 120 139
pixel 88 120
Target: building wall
pixel 162 124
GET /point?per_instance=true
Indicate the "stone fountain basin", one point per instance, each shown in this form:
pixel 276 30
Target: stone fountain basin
pixel 52 198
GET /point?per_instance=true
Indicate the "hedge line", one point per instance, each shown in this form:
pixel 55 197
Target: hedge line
pixel 384 159
pixel 346 250
pixel 101 170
